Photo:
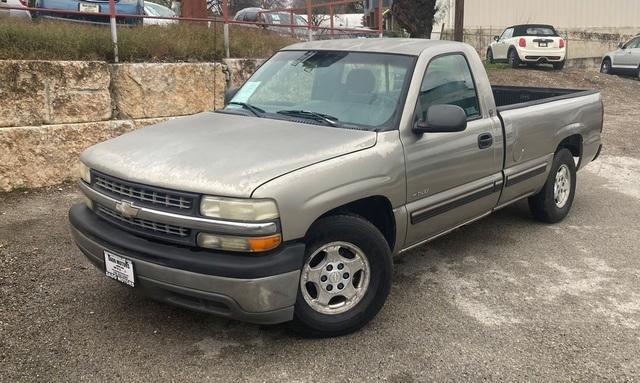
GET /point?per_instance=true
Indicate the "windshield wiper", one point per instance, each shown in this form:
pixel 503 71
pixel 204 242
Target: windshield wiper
pixel 320 117
pixel 253 109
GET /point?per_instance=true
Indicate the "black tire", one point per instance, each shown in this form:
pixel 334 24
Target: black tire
pixel 357 231
pixel 558 66
pixel 514 59
pixel 605 67
pixel 543 205
pixel 490 59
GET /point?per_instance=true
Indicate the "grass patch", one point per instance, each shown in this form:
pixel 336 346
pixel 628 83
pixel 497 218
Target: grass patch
pixel 181 42
pixel 496 65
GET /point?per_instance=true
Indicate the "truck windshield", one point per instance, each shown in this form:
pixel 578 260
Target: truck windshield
pixel 336 88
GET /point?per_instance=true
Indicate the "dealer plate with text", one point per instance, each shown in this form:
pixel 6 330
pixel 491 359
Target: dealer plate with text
pixel 90 8
pixel 119 268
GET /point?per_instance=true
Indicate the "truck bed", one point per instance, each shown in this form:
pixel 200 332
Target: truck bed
pixel 511 97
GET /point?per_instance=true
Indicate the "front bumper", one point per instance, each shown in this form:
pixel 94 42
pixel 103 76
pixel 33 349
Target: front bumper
pixel 252 288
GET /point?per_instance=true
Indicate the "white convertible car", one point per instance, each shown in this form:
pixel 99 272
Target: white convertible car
pixel 528 44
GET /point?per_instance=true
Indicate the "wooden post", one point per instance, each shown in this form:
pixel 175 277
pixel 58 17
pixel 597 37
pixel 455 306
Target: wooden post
pixel 458 29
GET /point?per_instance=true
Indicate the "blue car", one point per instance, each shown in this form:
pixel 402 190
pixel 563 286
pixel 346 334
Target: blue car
pixel 97 11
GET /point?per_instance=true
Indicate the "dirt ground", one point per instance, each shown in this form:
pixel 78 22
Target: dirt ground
pixel 504 299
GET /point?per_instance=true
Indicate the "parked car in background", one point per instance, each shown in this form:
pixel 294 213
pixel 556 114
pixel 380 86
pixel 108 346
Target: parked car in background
pixel 624 60
pixel 98 10
pixel 271 20
pixel 528 44
pixel 5 12
pixel 153 9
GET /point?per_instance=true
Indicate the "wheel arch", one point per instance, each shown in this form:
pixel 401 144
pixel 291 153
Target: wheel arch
pixel 574 143
pixel 376 209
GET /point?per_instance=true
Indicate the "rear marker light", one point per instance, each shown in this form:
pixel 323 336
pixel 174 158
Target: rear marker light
pixel 522 43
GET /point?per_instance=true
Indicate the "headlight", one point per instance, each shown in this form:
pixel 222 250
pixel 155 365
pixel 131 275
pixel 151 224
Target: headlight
pixel 232 243
pixel 239 209
pixel 84 173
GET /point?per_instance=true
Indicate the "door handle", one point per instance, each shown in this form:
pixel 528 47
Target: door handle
pixel 485 140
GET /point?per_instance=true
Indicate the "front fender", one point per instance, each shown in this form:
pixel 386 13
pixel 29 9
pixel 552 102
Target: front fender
pixel 306 194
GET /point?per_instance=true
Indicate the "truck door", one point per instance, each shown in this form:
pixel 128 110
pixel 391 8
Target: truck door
pixel 453 177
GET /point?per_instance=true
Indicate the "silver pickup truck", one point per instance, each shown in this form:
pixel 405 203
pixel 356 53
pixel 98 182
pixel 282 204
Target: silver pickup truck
pixel 290 203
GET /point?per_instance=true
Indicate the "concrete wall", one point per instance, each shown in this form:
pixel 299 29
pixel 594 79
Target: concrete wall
pixel 52 110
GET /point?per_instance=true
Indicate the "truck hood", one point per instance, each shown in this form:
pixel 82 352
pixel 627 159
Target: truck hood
pixel 220 154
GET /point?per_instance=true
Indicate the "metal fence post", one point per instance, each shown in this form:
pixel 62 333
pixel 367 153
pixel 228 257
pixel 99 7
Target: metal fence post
pixel 225 27
pixel 309 24
pixel 380 18
pixel 331 18
pixel 114 30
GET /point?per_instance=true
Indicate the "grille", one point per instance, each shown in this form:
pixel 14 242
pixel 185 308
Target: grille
pixel 146 225
pixel 143 194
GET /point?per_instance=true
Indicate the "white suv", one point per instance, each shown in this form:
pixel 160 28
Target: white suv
pixel 528 44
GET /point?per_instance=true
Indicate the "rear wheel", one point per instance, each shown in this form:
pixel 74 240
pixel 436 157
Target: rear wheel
pixel 558 66
pixel 606 66
pixel 490 59
pixel 345 279
pixel 554 201
pixel 514 59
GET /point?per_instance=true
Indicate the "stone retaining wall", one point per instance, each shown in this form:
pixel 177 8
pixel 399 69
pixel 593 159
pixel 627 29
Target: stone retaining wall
pixel 50 111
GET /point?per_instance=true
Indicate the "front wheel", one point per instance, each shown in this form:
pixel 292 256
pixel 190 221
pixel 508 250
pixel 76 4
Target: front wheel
pixel 605 68
pixel 345 279
pixel 553 202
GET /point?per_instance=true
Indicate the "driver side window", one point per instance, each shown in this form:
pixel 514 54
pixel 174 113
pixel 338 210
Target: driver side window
pixel 507 34
pixel 635 43
pixel 448 80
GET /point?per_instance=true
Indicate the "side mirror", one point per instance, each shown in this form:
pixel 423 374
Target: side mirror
pixel 442 119
pixel 496 38
pixel 621 45
pixel 229 93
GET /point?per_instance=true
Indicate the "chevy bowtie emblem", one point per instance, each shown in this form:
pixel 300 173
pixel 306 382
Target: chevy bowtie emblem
pixel 127 209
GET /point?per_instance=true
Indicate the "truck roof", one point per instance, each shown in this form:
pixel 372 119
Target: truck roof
pixel 411 47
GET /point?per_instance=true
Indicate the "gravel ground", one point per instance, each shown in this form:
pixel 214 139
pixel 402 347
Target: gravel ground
pixel 503 299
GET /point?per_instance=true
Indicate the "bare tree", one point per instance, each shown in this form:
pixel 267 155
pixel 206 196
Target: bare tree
pixel 415 16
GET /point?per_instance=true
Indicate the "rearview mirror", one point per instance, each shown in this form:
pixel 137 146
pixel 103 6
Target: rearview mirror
pixel 496 38
pixel 442 119
pixel 229 93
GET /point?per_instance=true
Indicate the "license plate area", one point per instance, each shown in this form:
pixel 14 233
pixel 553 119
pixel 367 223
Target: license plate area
pixel 543 45
pixel 89 8
pixel 119 268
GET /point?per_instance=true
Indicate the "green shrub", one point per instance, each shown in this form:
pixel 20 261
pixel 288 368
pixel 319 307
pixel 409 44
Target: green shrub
pixel 179 42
